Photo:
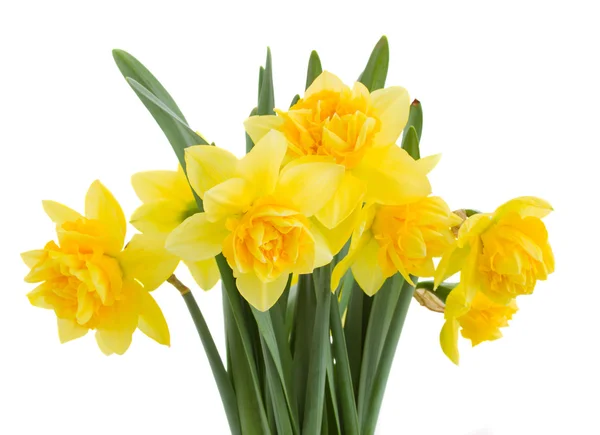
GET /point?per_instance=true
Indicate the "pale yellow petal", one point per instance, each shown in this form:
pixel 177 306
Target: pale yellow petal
pixel 258 126
pixel 166 185
pixel 524 206
pixel 323 253
pixel 152 321
pixel 472 227
pixel 229 198
pixel 208 166
pixel 261 165
pixel 69 329
pixel 31 258
pixel 426 164
pixel 197 239
pixel 261 295
pixel 392 176
pixel 113 341
pixel 205 272
pixel 347 198
pixel 100 204
pixel 366 269
pixel 337 237
pixel 161 216
pixel 449 340
pixel 392 106
pixel 59 213
pixel 451 262
pixel 326 81
pixel 146 260
pixel 308 187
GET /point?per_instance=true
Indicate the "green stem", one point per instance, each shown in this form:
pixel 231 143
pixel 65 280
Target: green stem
pixel 216 364
pixel 387 358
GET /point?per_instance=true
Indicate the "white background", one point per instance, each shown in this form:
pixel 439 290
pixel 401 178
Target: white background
pixel 511 98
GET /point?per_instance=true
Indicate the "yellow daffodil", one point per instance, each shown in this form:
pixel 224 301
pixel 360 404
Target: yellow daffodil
pixel 168 201
pixel 358 130
pixel 91 283
pixel 257 215
pixel 501 254
pixel 479 320
pixel 403 239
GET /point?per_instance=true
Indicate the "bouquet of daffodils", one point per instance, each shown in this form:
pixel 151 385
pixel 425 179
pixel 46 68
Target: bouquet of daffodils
pixel 321 235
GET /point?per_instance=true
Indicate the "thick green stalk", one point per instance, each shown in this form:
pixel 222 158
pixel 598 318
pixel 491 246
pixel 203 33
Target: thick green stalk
pixel 216 364
pixel 387 358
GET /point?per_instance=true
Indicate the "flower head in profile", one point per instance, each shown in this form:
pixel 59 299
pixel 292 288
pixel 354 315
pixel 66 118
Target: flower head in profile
pixel 91 283
pixel 257 215
pixel 356 129
pixel 501 254
pixel 478 320
pixel 168 201
pixel 391 239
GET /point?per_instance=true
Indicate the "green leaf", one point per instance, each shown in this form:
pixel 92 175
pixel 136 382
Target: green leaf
pixel 314 68
pixel 237 312
pixel 315 389
pixel 301 338
pixel 415 118
pixel 375 73
pixel 410 143
pixel 354 332
pixel 131 67
pixel 261 74
pixel 248 406
pixel 384 303
pixel 280 355
pixel 295 99
pixel 343 376
pixel 331 411
pixel 249 143
pixel 266 97
pixel 290 313
pixel 226 391
pixel 387 357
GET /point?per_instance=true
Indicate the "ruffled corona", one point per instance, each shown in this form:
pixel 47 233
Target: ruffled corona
pixel 403 239
pixel 502 254
pixel 90 283
pixel 257 215
pixel 358 130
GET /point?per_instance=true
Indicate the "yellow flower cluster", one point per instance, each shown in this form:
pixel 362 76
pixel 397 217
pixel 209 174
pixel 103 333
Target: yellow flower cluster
pixel 326 171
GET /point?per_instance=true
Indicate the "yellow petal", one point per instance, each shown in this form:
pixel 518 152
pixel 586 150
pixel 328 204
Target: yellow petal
pixel 205 272
pixel 37 296
pixel 524 206
pixel 258 126
pixel 323 253
pixel 325 82
pixel 347 198
pixel 261 295
pixel 146 260
pixel 337 237
pixel 113 341
pixel 197 239
pixel 449 340
pixel 392 105
pixel 69 329
pixel 161 216
pixel 261 165
pixel 451 262
pixel 426 164
pixel 308 187
pixel 472 227
pixel 366 268
pixel 156 185
pixel 208 166
pixel 59 213
pixel 152 321
pixel 392 176
pixel 229 198
pixel 31 258
pixel 100 204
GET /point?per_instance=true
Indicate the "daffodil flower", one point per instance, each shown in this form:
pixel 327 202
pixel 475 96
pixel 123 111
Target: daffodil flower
pixel 391 239
pixel 168 201
pixel 91 283
pixel 358 130
pixel 478 320
pixel 257 215
pixel 501 254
